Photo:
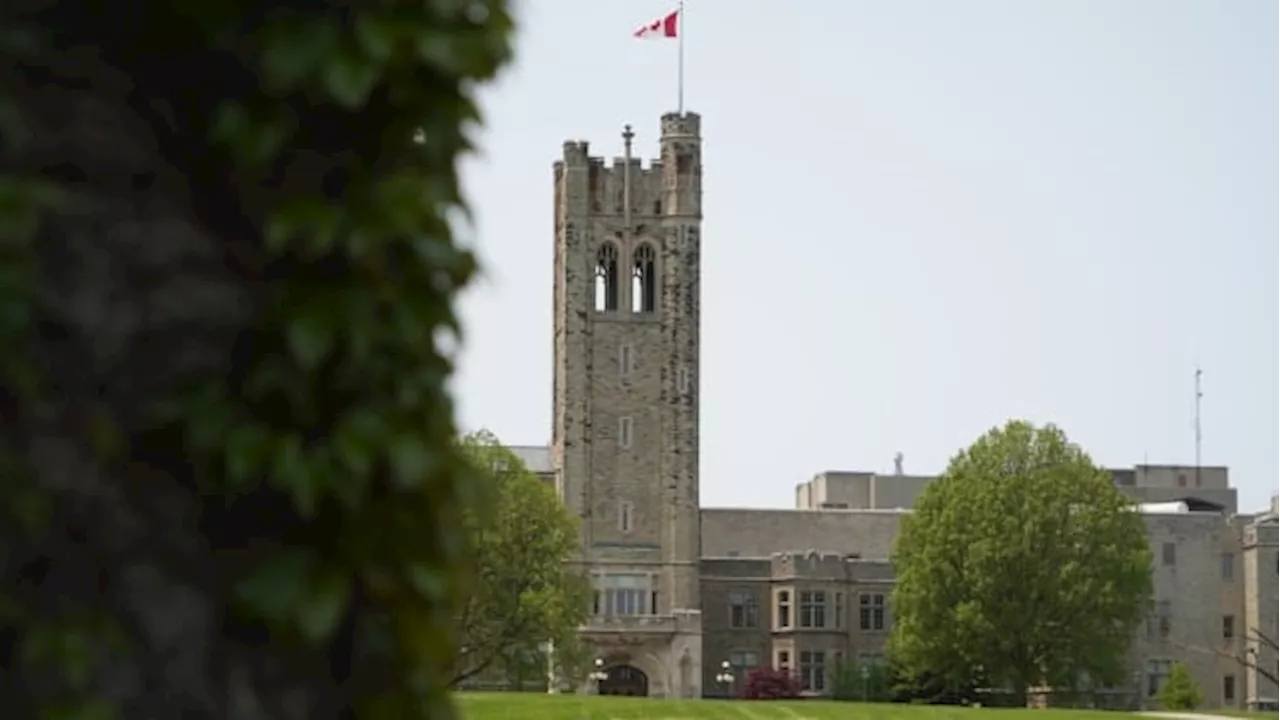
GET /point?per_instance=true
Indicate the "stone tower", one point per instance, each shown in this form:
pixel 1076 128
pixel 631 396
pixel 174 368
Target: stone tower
pixel 625 435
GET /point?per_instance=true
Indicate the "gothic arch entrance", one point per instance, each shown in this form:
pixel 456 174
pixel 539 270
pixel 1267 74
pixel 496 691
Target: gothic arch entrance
pixel 625 680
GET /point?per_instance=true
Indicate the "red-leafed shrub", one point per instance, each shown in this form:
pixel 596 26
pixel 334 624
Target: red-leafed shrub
pixel 770 684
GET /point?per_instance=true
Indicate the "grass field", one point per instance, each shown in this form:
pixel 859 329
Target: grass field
pixel 515 706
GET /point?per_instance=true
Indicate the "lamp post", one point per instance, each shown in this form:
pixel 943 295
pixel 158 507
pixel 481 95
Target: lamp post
pixel 598 675
pixel 725 677
pixel 866 674
pixel 1137 689
pixel 549 649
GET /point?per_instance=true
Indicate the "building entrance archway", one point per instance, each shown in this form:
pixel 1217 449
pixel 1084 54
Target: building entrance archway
pixel 624 680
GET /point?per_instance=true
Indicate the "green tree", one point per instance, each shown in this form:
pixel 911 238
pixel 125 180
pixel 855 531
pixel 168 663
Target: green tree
pixel 522 592
pixel 229 478
pixel 1023 563
pixel 1179 691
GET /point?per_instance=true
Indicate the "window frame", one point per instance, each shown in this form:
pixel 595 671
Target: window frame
pixel 626 431
pixel 782 609
pixel 744 610
pixel 871 612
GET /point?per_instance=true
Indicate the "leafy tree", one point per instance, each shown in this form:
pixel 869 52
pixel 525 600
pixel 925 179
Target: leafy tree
pixel 523 593
pixel 1023 562
pixel 229 478
pixel 1180 691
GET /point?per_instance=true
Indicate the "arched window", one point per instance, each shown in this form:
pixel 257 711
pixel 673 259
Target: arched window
pixel 644 280
pixel 607 278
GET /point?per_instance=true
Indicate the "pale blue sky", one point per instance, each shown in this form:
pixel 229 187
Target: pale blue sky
pixel 922 218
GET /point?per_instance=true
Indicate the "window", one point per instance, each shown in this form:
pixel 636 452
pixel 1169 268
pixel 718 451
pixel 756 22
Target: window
pixel 623 595
pixel 1228 627
pixel 744 612
pixel 625 512
pixel 1228 689
pixel 813 609
pixel 682 380
pixel 1160 622
pixel 607 278
pixel 1157 673
pixel 624 433
pixel 1169 552
pixel 871 612
pixel 871 658
pixel 784 609
pixel 813 671
pixel 784 660
pixel 1228 567
pixel 644 279
pixel 839 610
pixel 626 360
pixel 1182 480
pixel 742 663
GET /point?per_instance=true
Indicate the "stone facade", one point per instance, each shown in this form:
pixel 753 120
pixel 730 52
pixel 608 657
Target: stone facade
pixel 680 589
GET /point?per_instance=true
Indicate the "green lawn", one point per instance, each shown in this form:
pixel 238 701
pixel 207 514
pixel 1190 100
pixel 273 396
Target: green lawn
pixel 517 706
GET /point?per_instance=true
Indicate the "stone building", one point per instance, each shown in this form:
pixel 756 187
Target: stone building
pixel 680 589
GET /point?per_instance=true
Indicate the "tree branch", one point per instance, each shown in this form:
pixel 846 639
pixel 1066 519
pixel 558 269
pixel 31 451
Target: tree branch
pixel 511 632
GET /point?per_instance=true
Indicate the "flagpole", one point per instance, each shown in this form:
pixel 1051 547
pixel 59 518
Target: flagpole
pixel 680 60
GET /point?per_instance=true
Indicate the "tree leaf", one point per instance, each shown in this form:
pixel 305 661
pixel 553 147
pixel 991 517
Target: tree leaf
pixel 274 589
pixel 311 339
pixel 295 48
pixel 323 605
pixel 350 76
pixel 98 709
pixel 377 35
pixel 411 460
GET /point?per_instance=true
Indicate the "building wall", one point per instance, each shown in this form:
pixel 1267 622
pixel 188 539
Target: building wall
pixel 1261 564
pixel 760 533
pixel 1195 595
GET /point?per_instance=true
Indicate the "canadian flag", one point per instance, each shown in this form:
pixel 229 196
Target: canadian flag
pixel 664 27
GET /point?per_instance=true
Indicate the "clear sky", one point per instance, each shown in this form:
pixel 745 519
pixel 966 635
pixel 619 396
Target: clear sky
pixel 922 218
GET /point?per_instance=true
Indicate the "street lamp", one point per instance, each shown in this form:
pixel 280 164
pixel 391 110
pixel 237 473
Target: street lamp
pixel 598 675
pixel 725 677
pixel 548 649
pixel 866 674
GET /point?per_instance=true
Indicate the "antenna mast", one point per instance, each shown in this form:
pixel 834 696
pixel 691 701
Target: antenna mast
pixel 1199 436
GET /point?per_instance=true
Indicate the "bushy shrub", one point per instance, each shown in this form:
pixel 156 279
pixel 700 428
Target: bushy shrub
pixel 850 684
pixel 1180 691
pixel 770 684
